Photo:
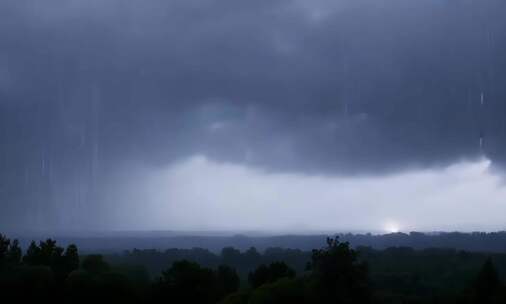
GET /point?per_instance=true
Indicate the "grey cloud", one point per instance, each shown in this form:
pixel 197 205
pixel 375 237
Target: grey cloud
pixel 315 87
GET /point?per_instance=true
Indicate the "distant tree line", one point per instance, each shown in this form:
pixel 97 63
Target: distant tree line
pixel 335 273
pixel 474 242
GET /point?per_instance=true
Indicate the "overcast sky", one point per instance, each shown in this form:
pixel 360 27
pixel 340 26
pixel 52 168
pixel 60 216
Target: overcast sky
pixel 284 115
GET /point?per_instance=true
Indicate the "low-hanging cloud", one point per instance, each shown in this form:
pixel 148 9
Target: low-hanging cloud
pixel 200 194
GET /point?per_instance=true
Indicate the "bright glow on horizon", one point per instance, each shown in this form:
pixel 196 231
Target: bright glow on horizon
pixel 392 227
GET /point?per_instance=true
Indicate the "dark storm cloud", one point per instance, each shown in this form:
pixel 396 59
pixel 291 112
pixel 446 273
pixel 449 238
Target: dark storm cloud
pixel 333 87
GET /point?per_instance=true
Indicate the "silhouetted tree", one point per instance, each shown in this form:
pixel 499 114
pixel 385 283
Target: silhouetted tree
pixel 49 252
pixel 227 279
pixel 187 282
pixel 252 257
pixel 14 254
pixel 81 287
pixel 32 256
pixel 231 256
pixel 71 258
pixel 115 287
pixel 339 275
pixel 487 284
pixel 268 274
pixel 95 264
pixel 4 248
pixel 283 291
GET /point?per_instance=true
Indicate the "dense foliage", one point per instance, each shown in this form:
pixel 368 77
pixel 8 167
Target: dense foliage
pixel 335 273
